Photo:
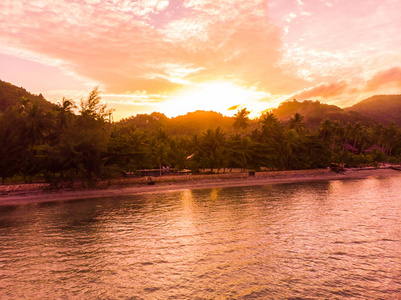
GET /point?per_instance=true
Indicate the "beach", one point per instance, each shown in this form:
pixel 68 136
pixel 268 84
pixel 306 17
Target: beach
pixel 39 193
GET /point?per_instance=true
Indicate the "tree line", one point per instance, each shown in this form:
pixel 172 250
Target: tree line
pixel 81 142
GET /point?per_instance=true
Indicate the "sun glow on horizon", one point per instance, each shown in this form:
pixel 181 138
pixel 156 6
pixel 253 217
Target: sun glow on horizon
pixel 218 96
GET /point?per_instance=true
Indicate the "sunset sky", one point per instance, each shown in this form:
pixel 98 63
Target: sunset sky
pixel 178 56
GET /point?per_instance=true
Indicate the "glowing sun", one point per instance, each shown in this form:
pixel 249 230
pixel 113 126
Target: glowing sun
pixel 216 96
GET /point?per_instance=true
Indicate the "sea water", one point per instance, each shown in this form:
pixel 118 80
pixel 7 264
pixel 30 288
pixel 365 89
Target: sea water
pixel 325 239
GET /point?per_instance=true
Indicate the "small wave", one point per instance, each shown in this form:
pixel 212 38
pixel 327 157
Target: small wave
pixel 151 289
pixel 388 240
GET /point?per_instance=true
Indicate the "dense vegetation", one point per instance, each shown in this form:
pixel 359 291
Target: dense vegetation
pixel 11 95
pixel 69 141
pixel 381 108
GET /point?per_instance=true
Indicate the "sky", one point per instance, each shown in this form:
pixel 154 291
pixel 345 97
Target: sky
pixel 176 56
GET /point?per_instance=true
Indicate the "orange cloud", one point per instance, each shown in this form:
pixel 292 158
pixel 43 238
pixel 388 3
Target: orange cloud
pixel 152 46
pixel 234 107
pixel 156 47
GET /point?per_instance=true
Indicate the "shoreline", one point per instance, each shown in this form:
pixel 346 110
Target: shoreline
pixel 135 186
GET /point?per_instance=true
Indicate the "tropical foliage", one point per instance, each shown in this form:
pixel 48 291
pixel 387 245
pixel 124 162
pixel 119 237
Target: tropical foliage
pixel 69 141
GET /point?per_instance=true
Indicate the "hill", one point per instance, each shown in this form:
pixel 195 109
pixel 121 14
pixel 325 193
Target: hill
pixel 11 95
pixel 199 121
pixel 311 110
pixel 192 122
pixel 315 112
pixel 381 108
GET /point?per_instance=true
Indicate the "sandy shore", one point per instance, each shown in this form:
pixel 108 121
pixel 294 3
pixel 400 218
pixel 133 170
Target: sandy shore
pixel 33 193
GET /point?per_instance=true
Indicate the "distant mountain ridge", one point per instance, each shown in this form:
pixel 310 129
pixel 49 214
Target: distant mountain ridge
pixel 313 111
pixel 380 108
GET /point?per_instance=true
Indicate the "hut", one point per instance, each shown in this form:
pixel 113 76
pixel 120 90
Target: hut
pixel 371 148
pixel 351 148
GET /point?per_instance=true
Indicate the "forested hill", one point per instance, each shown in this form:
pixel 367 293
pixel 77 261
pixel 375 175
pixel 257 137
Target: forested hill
pixel 377 109
pixel 11 95
pixel 381 108
pixel 192 122
pixel 315 112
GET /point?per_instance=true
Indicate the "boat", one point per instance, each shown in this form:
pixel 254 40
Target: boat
pixel 336 168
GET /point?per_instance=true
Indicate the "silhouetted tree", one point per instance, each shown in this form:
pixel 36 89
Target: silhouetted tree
pixel 241 119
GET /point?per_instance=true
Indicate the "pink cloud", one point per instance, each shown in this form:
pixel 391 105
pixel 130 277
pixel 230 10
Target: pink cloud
pixel 323 90
pixel 331 40
pixel 384 78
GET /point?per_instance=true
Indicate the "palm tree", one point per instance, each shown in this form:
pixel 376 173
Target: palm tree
pixel 338 130
pixel 378 131
pixel 65 108
pixel 326 128
pixel 66 105
pixel 195 143
pixel 160 153
pixel 178 153
pixel 241 119
pixel 356 131
pixel 347 132
pixel 12 147
pixel 219 158
pixel 297 123
pixel 390 133
pixel 126 148
pixel 363 137
pixel 290 144
pixel 36 123
pixel 212 146
pixel 162 135
pixel 242 152
pixel 219 137
pixel 270 125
